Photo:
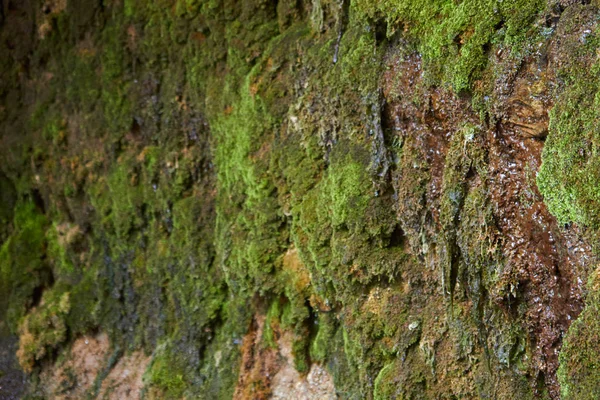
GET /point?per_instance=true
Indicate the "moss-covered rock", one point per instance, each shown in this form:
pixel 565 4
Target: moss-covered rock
pixel 578 372
pixel 569 174
pixel 175 168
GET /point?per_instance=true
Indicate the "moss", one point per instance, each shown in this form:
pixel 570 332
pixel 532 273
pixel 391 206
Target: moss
pixel 222 364
pixel 476 239
pixel 43 329
pixel 320 348
pixel 462 33
pixel 272 322
pixel 464 156
pixel 384 387
pixel 33 259
pixel 59 238
pixel 360 365
pixel 293 316
pixel 569 173
pixel 84 311
pixel 459 160
pixel 248 218
pixel 22 267
pixel 579 369
pixel 119 198
pixel 81 84
pixel 167 375
pixel 358 61
pixel 54 131
pixel 115 85
pixel 341 221
pixel 345 195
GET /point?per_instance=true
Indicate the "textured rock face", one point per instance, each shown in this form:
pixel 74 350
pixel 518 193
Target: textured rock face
pixel 389 199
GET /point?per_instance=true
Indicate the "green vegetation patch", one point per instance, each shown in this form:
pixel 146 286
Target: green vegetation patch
pixel 455 38
pixel 579 370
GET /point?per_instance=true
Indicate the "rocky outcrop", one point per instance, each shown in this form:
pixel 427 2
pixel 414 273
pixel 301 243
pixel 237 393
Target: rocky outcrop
pixel 312 199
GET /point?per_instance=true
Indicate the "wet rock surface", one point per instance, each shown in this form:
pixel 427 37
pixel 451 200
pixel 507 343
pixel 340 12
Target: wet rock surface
pixel 299 199
pixel 539 260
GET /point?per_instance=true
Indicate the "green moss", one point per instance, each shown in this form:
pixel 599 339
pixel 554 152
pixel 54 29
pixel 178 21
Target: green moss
pixel 345 195
pixel 579 370
pixel 54 130
pixel 321 345
pixel 459 160
pixel 343 229
pixel 476 239
pixel 289 315
pixel 454 38
pixel 359 62
pixel 166 374
pixel 223 356
pixel 119 198
pixel 85 308
pixel 300 351
pixel 248 218
pixel 115 94
pixel 272 322
pixel 129 8
pixel 22 267
pixel 569 172
pixel 58 241
pixel 384 386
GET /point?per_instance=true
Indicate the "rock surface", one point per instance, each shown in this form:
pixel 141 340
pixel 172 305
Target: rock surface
pixel 309 199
